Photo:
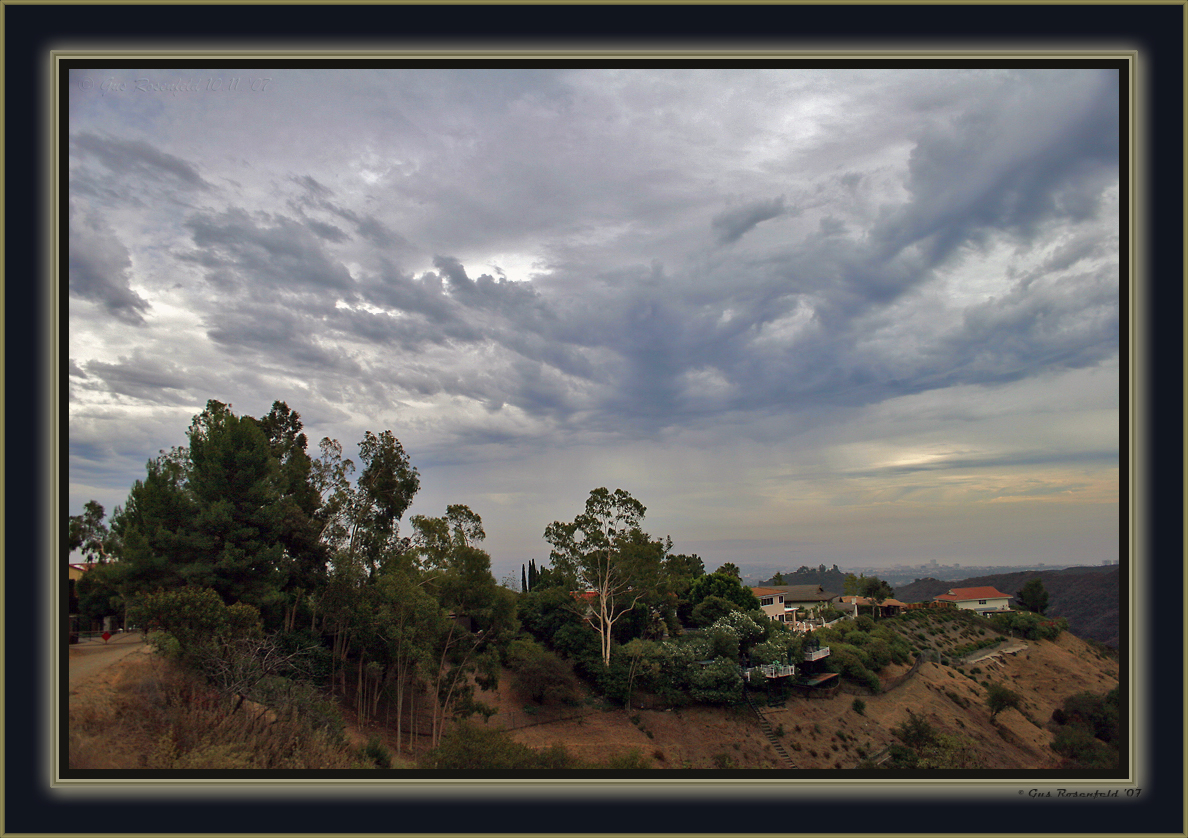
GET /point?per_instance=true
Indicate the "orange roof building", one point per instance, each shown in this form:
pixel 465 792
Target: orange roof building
pixel 985 600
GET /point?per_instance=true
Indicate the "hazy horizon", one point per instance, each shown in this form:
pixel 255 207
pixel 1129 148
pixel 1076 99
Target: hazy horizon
pixel 813 316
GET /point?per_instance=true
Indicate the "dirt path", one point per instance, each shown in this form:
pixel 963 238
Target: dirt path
pixel 90 658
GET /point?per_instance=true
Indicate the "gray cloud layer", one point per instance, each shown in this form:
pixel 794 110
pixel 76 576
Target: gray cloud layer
pixel 540 258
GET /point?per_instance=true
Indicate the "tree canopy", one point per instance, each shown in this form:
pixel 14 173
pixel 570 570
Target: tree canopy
pixel 1033 596
pixel 605 553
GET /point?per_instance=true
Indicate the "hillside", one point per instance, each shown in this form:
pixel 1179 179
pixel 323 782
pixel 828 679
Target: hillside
pixel 830 734
pixel 109 716
pixel 1088 597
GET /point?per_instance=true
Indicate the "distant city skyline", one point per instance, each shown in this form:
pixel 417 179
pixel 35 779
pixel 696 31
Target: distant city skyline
pixel 869 316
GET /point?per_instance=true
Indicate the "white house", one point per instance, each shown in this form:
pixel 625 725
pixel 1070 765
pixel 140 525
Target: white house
pixel 803 598
pixel 984 600
pixel 771 601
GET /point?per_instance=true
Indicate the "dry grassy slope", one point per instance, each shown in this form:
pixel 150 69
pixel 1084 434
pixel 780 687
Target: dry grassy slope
pixel 1045 673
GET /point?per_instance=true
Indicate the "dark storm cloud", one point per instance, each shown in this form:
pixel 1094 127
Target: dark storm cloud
pixel 312 185
pixel 1009 165
pixel 326 231
pixel 279 337
pixel 263 252
pixel 100 268
pixel 137 158
pixel 470 309
pixel 318 196
pixel 733 224
pixel 424 295
pixel 141 378
pixel 1035 328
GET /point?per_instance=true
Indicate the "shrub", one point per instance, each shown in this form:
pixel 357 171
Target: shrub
pixel 1083 749
pixel 915 732
pixel 1098 713
pixel 376 752
pixel 540 674
pixel 196 618
pixel 717 683
pixel 859 706
pixel 469 746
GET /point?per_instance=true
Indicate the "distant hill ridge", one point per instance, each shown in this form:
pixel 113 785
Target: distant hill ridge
pixel 1088 597
pixel 830 580
pixel 1085 596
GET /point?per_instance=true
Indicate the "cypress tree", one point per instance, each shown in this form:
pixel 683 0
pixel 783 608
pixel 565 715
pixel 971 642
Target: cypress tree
pixel 523 578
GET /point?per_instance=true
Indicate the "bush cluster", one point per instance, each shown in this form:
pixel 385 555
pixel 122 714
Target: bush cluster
pixel 860 648
pixel 1029 626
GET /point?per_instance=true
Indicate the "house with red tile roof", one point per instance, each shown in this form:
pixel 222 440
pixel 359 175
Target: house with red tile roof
pixel 985 600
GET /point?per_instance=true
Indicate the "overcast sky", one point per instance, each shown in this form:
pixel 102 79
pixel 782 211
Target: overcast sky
pixel 805 316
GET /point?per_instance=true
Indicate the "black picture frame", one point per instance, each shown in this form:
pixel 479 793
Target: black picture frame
pixel 31 31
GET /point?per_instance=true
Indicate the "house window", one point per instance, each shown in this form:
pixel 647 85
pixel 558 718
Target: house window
pixel 981 602
pixel 766 601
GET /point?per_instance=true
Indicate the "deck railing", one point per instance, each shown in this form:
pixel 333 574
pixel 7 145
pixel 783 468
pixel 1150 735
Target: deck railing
pixel 816 654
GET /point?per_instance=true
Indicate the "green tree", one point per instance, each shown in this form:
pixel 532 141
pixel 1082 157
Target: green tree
pixel 778 579
pixel 711 609
pixel 87 532
pixel 306 555
pixel 730 569
pixel 876 590
pixel 604 551
pixel 386 487
pixel 407 621
pixel 233 479
pixel 155 526
pixel 1033 597
pixel 458 575
pixel 100 592
pixel 724 585
pixel 999 698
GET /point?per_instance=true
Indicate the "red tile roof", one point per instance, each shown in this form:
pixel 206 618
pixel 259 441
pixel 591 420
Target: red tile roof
pixel 766 592
pixel 966 594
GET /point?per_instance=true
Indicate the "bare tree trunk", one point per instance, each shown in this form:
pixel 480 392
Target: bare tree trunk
pixel 359 697
pixel 379 687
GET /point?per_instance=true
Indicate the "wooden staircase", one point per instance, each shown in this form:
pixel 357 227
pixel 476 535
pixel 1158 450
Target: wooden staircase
pixel 765 726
